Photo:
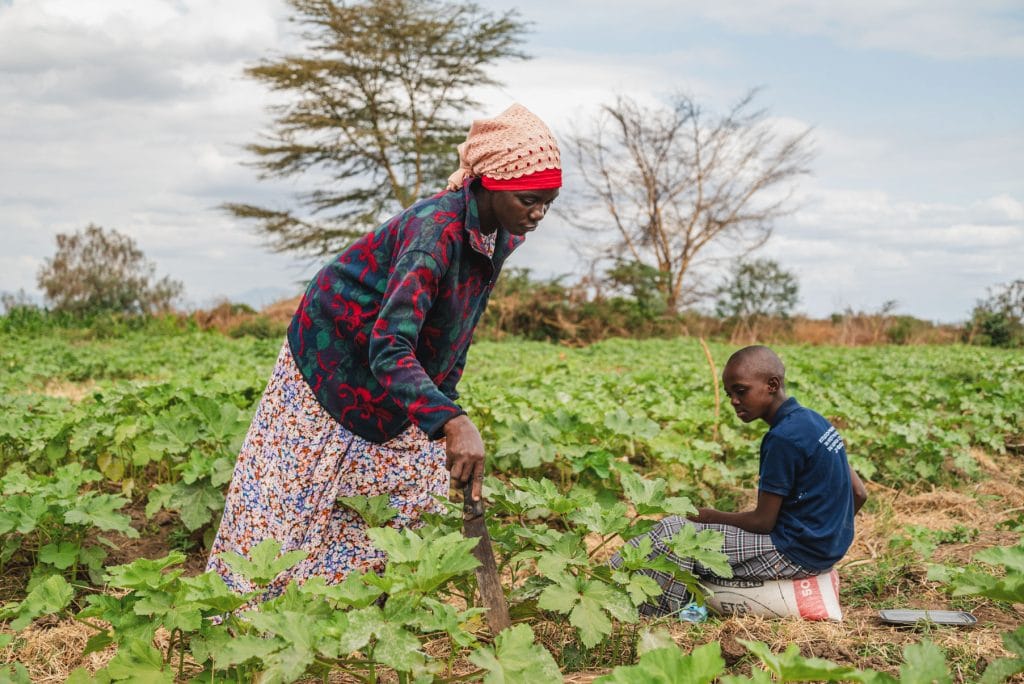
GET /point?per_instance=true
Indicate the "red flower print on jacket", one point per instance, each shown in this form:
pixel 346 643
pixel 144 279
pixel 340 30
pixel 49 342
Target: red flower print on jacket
pixel 383 330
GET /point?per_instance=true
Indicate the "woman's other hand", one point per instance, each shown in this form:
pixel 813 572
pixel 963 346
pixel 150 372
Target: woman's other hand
pixel 465 454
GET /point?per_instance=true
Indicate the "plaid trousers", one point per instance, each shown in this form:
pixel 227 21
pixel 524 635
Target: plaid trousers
pixel 752 556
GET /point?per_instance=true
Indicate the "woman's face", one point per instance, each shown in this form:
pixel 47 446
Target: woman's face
pixel 519 211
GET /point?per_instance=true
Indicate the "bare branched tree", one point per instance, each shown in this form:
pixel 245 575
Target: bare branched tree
pixel 97 270
pixel 669 182
pixel 376 109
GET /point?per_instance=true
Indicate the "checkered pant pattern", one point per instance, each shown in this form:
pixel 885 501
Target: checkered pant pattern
pixel 752 556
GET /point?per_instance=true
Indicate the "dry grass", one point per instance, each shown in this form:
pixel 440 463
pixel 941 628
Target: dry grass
pixel 283 310
pixel 50 651
pixel 63 389
pixel 531 315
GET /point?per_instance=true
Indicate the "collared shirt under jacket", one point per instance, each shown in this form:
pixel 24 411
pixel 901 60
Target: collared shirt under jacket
pixel 382 331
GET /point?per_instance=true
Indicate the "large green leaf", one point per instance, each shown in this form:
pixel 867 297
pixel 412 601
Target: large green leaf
pixel 14 674
pixel 208 590
pixel 173 434
pixel 102 511
pixel 790 666
pixel 601 518
pixel 568 551
pixel 624 423
pixel 226 649
pixel 196 503
pixel 562 595
pixel 352 592
pixel 588 605
pixel 424 564
pixel 398 648
pixel 61 555
pixel 50 596
pixel 589 618
pixel 671 666
pixel 265 561
pixel 170 612
pixel 530 442
pixel 285 665
pixel 357 627
pixel 145 573
pixel 516 659
pixel 705 547
pixel 374 510
pixel 924 663
pixel 443 617
pixel 137 661
pixel 23 513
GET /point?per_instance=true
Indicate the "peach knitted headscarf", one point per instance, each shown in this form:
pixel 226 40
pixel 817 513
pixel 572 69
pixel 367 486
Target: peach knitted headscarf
pixel 513 151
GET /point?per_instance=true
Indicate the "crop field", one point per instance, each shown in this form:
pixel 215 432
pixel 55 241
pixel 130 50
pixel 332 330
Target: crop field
pixel 115 452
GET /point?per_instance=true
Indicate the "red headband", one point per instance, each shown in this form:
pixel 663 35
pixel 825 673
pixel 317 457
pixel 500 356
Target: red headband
pixel 539 180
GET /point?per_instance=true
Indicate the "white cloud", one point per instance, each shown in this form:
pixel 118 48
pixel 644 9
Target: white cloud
pixel 945 29
pixel 566 87
pixel 872 224
pixel 968 237
pixel 859 249
pixel 18 272
pixel 133 114
pixel 1006 206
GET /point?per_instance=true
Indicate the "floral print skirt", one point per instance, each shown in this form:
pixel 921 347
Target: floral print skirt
pixel 294 464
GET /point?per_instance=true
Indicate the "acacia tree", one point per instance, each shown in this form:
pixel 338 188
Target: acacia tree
pixel 375 106
pixel 670 182
pixel 95 270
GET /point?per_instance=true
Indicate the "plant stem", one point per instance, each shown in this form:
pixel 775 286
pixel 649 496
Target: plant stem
pixel 349 667
pixel 99 630
pixel 170 645
pixel 465 677
pixel 714 380
pixel 181 659
pixel 604 541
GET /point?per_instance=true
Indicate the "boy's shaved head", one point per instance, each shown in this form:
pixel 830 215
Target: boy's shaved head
pixel 759 360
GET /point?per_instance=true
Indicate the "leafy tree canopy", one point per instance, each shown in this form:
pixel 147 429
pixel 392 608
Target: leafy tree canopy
pixel 375 110
pixel 998 320
pixel 758 288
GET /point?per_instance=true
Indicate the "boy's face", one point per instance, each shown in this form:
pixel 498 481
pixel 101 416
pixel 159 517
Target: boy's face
pixel 752 395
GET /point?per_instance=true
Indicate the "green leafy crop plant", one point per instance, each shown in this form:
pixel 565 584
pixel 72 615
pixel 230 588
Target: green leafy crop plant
pixel 50 521
pixel 908 414
pixel 1000 577
pixel 587 445
pixel 350 627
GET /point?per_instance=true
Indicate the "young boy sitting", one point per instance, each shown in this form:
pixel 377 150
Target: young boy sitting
pixel 807 492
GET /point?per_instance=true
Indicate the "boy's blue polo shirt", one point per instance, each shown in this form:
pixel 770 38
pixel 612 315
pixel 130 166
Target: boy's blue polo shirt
pixel 803 459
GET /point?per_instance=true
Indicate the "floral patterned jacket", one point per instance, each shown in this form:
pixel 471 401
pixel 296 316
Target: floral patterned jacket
pixel 382 331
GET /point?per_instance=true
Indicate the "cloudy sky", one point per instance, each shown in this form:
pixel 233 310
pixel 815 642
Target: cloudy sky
pixel 133 114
